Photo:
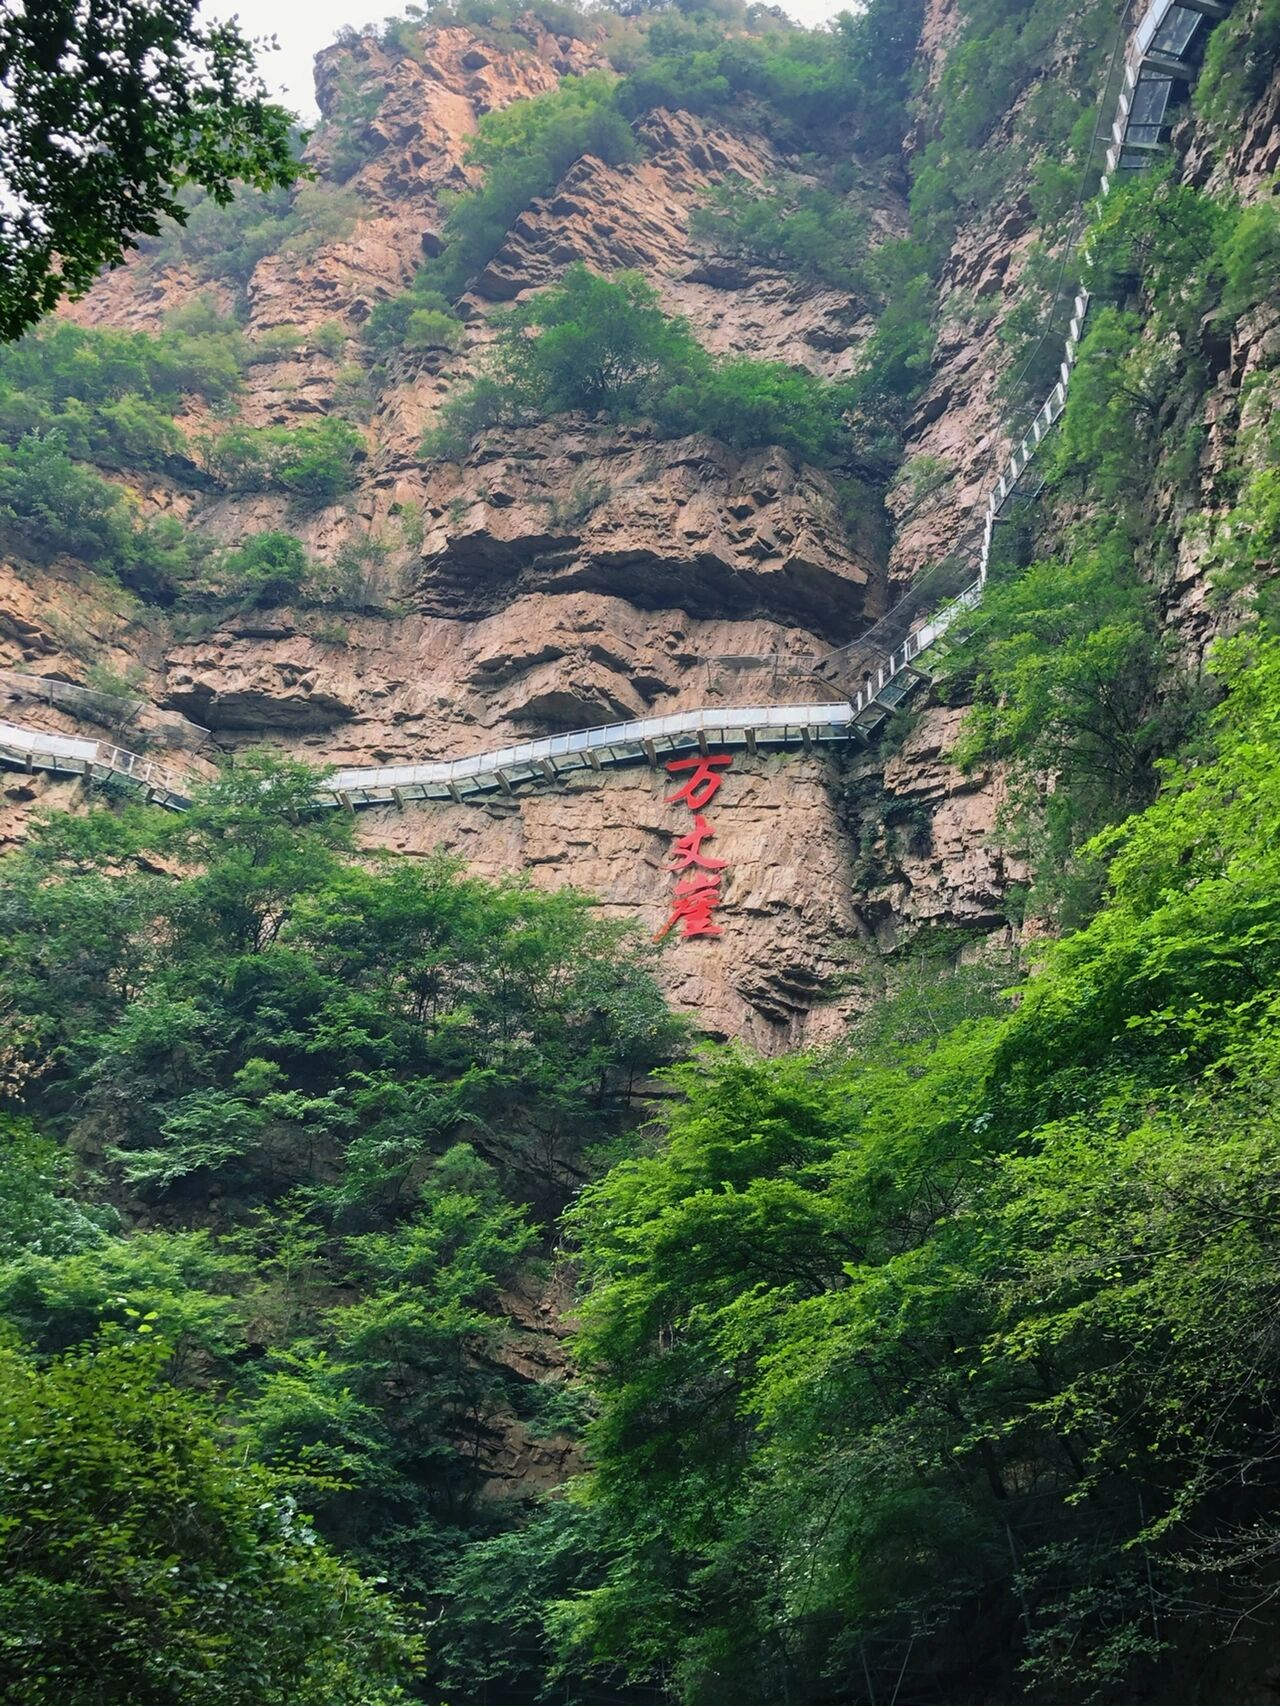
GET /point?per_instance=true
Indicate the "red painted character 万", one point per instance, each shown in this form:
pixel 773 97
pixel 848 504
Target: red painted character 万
pixel 704 784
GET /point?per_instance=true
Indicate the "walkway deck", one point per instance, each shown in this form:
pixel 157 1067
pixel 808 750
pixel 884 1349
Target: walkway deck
pixel 1162 57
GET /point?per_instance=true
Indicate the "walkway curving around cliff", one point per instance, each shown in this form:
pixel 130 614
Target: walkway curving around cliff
pixel 1160 60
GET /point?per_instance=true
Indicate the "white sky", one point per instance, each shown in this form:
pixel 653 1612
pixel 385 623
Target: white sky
pixel 303 27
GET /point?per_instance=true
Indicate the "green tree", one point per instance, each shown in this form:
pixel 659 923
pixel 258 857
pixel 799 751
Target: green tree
pixel 282 1015
pixel 1073 692
pixel 605 346
pixel 954 1351
pixel 525 148
pixel 155 99
pixel 315 463
pixel 141 1560
pixel 269 568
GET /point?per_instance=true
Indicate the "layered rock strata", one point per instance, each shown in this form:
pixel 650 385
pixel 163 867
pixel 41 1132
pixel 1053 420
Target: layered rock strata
pixel 578 573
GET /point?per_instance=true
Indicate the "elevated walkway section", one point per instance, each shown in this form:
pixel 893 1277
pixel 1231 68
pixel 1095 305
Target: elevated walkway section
pixel 650 740
pixel 1161 62
pixel 98 761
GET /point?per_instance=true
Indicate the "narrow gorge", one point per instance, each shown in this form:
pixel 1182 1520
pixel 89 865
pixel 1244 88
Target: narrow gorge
pixel 773 1196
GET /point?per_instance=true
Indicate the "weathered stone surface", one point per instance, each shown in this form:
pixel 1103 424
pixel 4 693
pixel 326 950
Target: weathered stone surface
pixel 565 575
pixel 684 524
pixel 956 872
pixel 577 573
pixel 414 688
pixel 636 215
pixel 777 972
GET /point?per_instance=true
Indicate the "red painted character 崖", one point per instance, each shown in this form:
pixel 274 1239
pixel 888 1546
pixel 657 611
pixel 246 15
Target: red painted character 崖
pixel 694 902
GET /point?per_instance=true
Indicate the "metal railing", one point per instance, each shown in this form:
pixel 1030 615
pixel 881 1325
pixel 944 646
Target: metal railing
pixel 1159 54
pixel 111 710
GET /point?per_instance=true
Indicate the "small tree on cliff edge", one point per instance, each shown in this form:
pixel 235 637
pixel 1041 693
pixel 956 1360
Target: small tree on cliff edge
pixel 107 109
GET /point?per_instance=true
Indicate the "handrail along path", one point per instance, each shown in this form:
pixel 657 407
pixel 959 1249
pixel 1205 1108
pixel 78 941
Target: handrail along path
pixel 1161 57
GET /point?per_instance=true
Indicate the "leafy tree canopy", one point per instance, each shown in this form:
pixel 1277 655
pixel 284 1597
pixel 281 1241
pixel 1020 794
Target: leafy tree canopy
pixel 605 346
pixel 142 1560
pixel 964 1348
pixel 110 108
pixel 283 1016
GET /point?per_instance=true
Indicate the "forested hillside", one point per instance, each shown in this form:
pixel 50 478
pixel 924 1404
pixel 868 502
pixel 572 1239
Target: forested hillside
pixel 416 1283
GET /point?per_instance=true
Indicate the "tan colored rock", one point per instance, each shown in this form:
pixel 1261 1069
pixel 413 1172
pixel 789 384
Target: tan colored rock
pixel 777 972
pixel 683 523
pixel 577 573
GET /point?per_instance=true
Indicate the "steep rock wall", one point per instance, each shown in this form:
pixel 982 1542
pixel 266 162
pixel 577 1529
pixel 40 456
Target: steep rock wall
pixel 578 573
pixel 561 576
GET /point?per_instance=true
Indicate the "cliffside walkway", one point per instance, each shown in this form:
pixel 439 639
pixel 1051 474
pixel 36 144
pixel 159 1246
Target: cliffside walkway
pixel 1161 59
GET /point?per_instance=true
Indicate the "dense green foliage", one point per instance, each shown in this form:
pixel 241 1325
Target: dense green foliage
pixel 799 227
pixel 808 85
pixel 418 319
pixel 74 398
pixel 1073 679
pixel 354 1054
pixel 965 1337
pixel 939 1364
pixel 286 1018
pixel 53 505
pixel 314 463
pixel 1239 61
pixel 140 1561
pixel 112 396
pixel 605 347
pixel 268 568
pixel 156 98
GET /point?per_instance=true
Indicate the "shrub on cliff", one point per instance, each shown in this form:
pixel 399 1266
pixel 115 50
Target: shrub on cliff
pixel 808 86
pixel 798 227
pixel 224 244
pixel 269 568
pixel 1239 62
pixel 223 241
pixel 419 318
pixel 315 463
pixel 963 168
pixel 525 149
pixel 604 346
pixel 50 505
pixel 112 395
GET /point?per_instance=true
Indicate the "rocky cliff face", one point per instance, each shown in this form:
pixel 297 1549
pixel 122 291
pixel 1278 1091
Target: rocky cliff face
pixel 577 573
pixel 559 577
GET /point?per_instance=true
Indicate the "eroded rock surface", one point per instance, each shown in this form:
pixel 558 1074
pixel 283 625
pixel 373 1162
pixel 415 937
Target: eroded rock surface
pixel 562 575
pixel 577 573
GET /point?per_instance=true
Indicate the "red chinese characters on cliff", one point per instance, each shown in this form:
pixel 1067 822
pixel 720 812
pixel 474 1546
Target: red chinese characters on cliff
pixel 697 895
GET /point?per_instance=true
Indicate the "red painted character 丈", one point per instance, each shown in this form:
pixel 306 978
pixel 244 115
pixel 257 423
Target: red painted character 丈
pixel 687 849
